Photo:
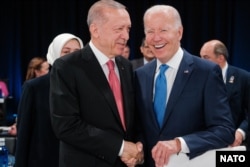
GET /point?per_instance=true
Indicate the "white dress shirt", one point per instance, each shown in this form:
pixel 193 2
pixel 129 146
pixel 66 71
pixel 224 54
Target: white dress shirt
pixel 170 74
pixel 103 59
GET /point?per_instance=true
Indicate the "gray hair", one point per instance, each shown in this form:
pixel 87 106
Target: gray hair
pixel 97 10
pixel 221 49
pixel 168 10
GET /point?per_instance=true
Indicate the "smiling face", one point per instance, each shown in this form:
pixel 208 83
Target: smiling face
pixel 163 33
pixel 110 36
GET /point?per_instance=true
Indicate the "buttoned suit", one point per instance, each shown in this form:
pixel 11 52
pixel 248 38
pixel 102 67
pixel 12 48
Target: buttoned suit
pixel 84 113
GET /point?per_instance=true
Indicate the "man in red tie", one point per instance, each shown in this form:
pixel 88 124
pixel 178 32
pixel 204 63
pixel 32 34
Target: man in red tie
pixel 92 104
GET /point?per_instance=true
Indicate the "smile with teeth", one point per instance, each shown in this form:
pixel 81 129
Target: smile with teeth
pixel 159 46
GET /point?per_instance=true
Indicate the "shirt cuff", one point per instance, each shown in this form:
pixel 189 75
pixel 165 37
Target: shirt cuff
pixel 242 132
pixel 121 149
pixel 184 147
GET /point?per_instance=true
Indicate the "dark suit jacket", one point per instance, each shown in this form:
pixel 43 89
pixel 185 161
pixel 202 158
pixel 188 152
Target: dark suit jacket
pixel 84 113
pixel 37 145
pixel 197 108
pixel 137 63
pixel 238 85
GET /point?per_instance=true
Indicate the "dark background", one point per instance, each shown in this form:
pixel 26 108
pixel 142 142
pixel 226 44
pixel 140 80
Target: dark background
pixel 28 27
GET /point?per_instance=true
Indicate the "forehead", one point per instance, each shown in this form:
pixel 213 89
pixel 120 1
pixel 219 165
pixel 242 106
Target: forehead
pixel 72 43
pixel 158 19
pixel 113 15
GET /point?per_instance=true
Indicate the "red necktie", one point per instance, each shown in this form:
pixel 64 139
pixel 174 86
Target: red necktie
pixel 116 88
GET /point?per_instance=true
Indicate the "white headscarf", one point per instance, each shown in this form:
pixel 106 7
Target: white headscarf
pixel 57 44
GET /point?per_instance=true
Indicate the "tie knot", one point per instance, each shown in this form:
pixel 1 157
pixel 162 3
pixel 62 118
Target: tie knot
pixel 163 68
pixel 110 64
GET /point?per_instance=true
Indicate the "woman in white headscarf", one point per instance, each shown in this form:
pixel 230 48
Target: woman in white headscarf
pixel 37 146
pixel 61 45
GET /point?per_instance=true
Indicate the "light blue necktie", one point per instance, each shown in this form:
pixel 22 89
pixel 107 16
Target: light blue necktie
pixel 160 94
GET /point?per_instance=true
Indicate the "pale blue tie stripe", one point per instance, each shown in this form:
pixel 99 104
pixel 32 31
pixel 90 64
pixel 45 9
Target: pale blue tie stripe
pixel 160 94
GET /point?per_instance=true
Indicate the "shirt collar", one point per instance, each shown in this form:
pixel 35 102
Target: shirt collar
pixel 102 58
pixel 174 62
pixel 224 71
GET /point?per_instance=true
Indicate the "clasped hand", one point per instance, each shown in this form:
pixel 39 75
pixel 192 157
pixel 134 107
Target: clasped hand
pixel 132 154
pixel 163 150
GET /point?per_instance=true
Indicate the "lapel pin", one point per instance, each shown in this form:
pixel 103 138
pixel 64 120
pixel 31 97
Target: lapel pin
pixel 231 79
pixel 186 71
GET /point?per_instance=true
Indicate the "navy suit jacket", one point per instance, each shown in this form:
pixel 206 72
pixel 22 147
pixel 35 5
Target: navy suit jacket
pixel 137 63
pixel 197 109
pixel 84 113
pixel 238 85
pixel 37 145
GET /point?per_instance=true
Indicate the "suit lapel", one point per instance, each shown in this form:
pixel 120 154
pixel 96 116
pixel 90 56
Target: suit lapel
pixel 95 73
pixel 231 76
pixel 123 71
pixel 184 72
pixel 149 85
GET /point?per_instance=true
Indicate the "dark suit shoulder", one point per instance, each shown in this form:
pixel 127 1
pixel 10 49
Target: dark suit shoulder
pixel 42 80
pixel 238 70
pixel 136 63
pixel 123 60
pixel 198 62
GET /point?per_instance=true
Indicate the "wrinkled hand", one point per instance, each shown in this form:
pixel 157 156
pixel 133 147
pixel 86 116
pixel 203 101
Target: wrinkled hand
pixel 238 139
pixel 163 150
pixel 132 154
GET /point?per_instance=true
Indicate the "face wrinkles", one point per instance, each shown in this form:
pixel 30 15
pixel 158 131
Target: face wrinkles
pixel 162 35
pixel 114 34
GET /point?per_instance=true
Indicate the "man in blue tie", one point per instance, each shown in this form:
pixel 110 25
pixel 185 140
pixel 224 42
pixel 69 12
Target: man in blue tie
pixel 196 115
pixel 160 94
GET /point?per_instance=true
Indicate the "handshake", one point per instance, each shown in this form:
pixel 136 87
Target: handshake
pixel 132 154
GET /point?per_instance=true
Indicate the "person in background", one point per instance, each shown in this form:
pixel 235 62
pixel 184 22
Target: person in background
pixel 37 145
pixel 37 67
pixel 4 93
pixel 237 83
pixel 126 52
pixel 170 120
pixel 147 56
pixel 4 89
pixel 92 95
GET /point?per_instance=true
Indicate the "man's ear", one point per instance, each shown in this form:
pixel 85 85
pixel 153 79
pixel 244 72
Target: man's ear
pixel 93 28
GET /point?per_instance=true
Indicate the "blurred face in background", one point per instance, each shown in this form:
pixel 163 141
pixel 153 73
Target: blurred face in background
pixel 44 69
pixel 126 52
pixel 71 46
pixel 207 52
pixel 146 51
